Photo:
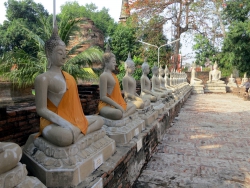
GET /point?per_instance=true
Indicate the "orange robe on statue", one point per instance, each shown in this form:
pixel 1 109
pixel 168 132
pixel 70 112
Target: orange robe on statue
pixel 116 96
pixel 69 108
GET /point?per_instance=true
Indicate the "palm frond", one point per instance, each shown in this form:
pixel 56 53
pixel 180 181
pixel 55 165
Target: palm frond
pixel 77 46
pixel 87 57
pixel 68 26
pixel 20 68
pixel 39 42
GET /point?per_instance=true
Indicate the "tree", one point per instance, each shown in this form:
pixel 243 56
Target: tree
pixel 27 13
pixel 236 46
pixel 203 49
pixel 235 50
pixel 27 67
pixel 101 18
pixel 123 41
pixel 177 13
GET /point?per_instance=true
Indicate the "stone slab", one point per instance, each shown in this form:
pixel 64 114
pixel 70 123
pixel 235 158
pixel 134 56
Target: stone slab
pixel 124 134
pixel 198 89
pixel 215 88
pixel 159 106
pixel 148 114
pixel 67 166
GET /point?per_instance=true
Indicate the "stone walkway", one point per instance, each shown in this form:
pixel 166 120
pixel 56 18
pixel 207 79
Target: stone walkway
pixel 208 146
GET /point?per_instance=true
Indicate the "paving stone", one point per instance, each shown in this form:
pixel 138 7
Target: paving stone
pixel 208 146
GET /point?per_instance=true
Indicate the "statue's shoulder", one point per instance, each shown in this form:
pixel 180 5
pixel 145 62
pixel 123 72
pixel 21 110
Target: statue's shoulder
pixel 104 75
pixel 126 78
pixel 43 77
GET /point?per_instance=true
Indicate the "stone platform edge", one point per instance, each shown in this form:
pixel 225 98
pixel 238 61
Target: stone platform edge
pixel 124 167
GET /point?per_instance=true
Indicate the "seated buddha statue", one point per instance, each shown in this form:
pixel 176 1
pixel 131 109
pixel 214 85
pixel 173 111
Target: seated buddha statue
pixel 215 75
pixel 146 92
pixel 163 79
pixel 194 80
pixel 129 86
pixel 156 84
pixel 244 79
pixel 111 104
pixel 62 120
pixel 231 79
pixel 166 77
pixel 10 155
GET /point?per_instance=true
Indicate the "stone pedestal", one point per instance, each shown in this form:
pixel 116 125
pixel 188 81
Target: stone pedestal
pixel 17 177
pixel 67 166
pixel 215 88
pixel 122 131
pixel 230 87
pixel 198 89
pixel 148 114
pixel 159 106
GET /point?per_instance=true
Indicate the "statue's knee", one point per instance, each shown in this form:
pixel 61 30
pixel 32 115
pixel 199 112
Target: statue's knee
pixel 142 105
pixel 100 122
pixel 65 140
pixel 117 115
pixel 153 98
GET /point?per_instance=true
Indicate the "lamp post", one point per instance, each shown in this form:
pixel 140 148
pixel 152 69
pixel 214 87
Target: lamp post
pixel 158 48
pixel 54 12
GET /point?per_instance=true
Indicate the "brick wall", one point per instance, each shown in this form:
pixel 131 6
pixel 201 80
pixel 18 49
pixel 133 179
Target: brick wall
pixel 89 96
pixel 204 76
pixel 16 125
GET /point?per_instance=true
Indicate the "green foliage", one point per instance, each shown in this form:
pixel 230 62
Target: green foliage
pixel 203 50
pixel 236 46
pixel 29 66
pixel 74 65
pixel 123 41
pixel 237 10
pixel 27 13
pixel 101 18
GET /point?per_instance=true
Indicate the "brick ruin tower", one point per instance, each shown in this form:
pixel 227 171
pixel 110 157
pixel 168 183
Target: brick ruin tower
pixel 125 12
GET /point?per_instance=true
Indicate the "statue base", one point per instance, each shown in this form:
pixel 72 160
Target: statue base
pixel 215 88
pixel 230 87
pixel 148 114
pixel 67 166
pixel 159 106
pixel 198 89
pixel 122 131
pixel 17 177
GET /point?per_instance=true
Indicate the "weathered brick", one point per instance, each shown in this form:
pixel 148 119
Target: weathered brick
pixel 32 121
pixel 22 123
pixel 11 113
pixel 3 122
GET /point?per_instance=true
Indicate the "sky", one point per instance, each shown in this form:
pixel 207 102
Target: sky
pixel 114 7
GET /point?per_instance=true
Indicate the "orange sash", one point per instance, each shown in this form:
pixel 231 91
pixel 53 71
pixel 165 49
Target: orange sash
pixel 116 96
pixel 69 108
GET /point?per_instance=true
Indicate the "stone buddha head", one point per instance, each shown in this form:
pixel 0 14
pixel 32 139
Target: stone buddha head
pixel 161 71
pixel 129 65
pixel 166 71
pixel 145 67
pixel 215 66
pixel 55 49
pixel 245 75
pixel 108 60
pixel 155 70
